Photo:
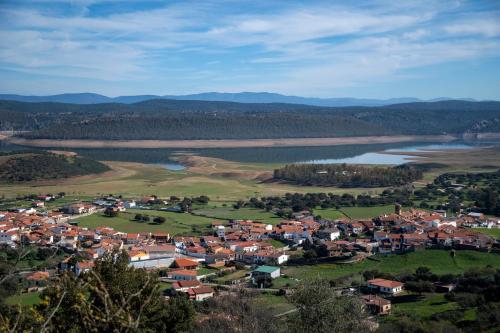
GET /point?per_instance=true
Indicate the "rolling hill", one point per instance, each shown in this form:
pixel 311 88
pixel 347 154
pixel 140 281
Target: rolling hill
pixel 184 120
pixel 40 165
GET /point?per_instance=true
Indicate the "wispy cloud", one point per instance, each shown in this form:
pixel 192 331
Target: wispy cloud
pixel 291 47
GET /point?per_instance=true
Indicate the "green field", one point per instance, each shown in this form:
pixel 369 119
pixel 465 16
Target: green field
pixel 367 212
pixel 329 213
pixel 492 232
pixel 429 304
pixel 275 304
pixel 175 224
pixel 229 213
pixel 24 299
pixel 276 243
pixel 439 261
pixel 232 276
pixel 354 212
pixel 220 180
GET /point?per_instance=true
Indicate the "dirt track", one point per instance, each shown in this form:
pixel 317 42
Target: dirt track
pixel 292 142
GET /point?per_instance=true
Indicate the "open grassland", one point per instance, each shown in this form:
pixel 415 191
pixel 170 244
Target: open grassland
pixel 329 213
pixel 229 182
pixel 425 307
pixel 492 232
pixel 275 304
pixel 24 299
pixel 236 275
pixel 439 261
pixel 367 212
pixel 175 224
pixel 354 212
pixel 229 213
pixel 223 180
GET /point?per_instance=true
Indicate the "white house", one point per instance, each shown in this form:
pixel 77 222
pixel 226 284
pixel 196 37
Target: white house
pixel 130 204
pixel 83 266
pixel 221 231
pixel 202 293
pixel 8 237
pixel 385 286
pixel 268 271
pixel 330 234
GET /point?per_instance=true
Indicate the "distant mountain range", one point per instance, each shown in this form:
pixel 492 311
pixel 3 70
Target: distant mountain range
pixel 242 97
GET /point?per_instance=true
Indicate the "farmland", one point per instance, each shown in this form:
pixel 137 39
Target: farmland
pixel 439 261
pixel 175 224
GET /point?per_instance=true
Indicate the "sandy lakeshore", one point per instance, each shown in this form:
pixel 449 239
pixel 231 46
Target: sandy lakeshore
pixel 289 142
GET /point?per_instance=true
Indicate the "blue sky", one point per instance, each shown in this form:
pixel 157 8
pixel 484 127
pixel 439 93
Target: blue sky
pixel 371 49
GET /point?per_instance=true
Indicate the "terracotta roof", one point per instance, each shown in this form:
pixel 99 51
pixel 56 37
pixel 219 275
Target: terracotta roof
pixel 186 284
pixel 181 262
pixel 37 276
pixel 183 272
pixel 203 290
pixel 385 283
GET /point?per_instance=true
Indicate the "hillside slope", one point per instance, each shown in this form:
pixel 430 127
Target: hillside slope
pixel 185 120
pixel 39 165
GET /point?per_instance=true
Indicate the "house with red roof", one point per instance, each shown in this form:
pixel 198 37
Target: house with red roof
pixel 385 286
pixel 183 274
pixel 186 264
pixel 202 293
pixel 184 286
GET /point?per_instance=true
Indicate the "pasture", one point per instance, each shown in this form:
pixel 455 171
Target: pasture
pixel 175 224
pixel 439 261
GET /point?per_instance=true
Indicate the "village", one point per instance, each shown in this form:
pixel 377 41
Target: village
pixel 239 253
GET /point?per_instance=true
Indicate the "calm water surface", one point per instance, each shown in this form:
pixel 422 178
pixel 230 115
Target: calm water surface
pixel 359 154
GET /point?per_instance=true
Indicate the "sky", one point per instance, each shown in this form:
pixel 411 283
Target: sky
pixel 363 49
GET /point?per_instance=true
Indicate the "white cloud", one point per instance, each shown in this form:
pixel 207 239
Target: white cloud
pixel 485 27
pixel 308 48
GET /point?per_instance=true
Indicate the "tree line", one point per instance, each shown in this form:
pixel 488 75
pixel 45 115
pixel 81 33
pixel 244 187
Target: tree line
pixel 347 175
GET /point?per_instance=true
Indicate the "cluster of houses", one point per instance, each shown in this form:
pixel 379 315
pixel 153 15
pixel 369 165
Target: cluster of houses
pixel 187 261
pixel 405 231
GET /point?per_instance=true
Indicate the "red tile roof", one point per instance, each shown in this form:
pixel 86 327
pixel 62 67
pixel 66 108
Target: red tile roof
pixel 385 283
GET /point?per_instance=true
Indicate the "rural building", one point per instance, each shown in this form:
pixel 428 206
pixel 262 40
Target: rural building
pixel 202 293
pixel 185 264
pixel 272 272
pixel 377 305
pixel 183 275
pixel 385 286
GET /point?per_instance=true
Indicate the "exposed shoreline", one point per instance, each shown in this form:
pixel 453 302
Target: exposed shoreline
pixel 249 143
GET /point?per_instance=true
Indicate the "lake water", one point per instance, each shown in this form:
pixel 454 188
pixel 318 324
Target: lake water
pixel 390 159
pixel 359 154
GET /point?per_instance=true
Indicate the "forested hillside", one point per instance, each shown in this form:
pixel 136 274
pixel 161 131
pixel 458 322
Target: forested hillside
pixel 177 119
pixel 28 166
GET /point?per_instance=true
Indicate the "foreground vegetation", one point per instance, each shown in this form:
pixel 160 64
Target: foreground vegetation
pixel 114 297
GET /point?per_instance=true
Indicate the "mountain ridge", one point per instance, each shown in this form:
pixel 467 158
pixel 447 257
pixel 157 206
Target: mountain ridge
pixel 241 97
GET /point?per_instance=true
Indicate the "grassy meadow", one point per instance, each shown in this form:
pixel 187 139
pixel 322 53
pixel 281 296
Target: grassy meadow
pixel 229 181
pixel 24 299
pixel 229 213
pixel 439 261
pixel 175 224
pixel 492 232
